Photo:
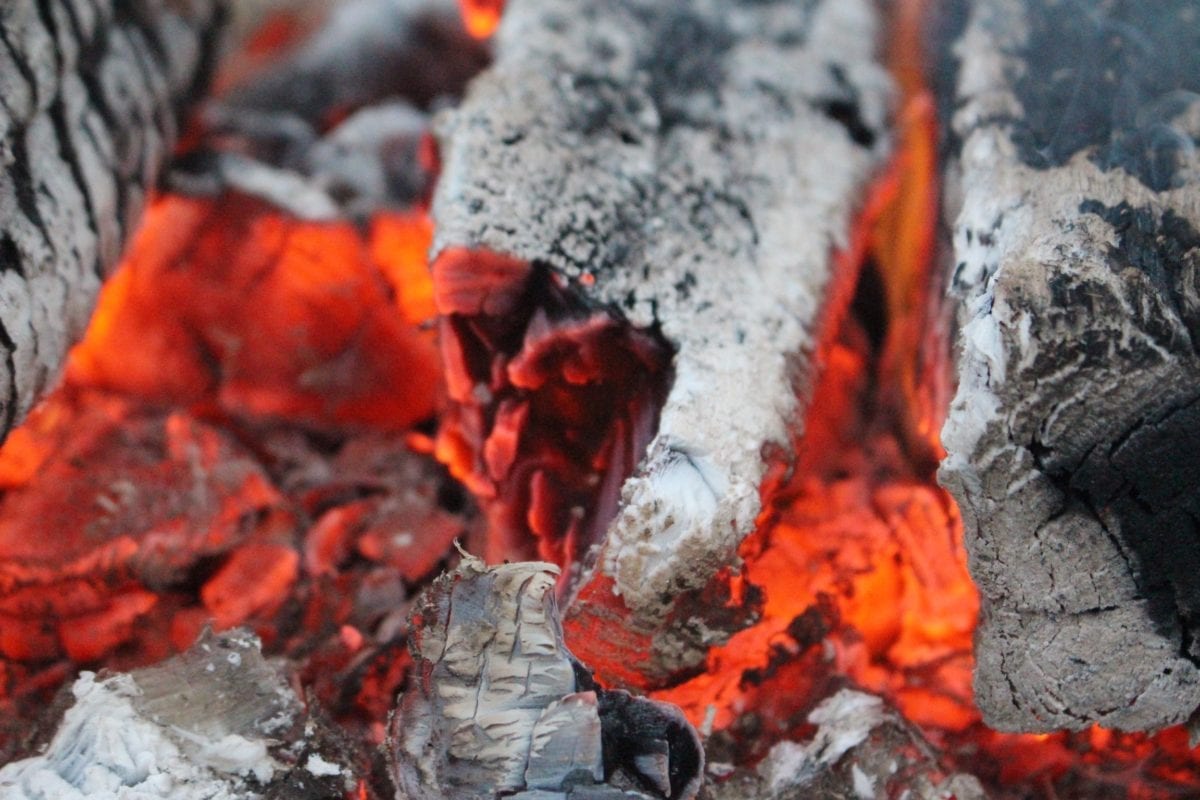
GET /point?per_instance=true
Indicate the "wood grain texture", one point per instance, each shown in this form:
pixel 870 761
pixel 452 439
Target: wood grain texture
pixel 1072 440
pixel 90 97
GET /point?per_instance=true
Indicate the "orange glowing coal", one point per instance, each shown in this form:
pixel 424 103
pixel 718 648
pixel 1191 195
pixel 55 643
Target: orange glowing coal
pixel 481 16
pixel 234 304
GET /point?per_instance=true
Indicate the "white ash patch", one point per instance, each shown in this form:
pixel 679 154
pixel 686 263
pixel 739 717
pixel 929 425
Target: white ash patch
pixel 107 750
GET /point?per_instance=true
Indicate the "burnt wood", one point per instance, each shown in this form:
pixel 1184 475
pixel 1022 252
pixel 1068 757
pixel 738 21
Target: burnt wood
pixel 686 169
pixel 861 748
pixel 91 96
pixel 1073 443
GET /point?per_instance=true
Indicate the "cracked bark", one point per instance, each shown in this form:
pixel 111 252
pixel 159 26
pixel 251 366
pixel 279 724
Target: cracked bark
pixel 90 94
pixel 500 707
pixel 1072 443
pixel 684 171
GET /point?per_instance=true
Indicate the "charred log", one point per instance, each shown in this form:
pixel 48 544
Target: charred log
pixel 502 708
pixel 91 98
pixel 1072 441
pixel 645 174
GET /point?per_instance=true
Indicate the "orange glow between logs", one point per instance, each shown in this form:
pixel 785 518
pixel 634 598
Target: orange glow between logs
pixel 230 309
pixel 481 17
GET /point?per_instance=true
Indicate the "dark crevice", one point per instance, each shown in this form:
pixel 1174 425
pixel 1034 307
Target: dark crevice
pixel 10 368
pixel 22 65
pixel 67 152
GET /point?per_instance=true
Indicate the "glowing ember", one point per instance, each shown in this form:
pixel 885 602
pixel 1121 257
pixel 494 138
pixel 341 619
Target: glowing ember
pixel 232 303
pixel 551 404
pixel 481 16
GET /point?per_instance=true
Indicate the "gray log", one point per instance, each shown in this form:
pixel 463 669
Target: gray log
pixel 690 166
pixel 90 91
pixel 1074 439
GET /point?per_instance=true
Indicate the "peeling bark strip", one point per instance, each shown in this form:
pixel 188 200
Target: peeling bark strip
pixel 500 707
pixel 1074 439
pixel 685 169
pixel 89 93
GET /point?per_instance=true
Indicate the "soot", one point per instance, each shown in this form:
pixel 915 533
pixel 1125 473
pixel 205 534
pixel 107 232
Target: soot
pixel 1115 78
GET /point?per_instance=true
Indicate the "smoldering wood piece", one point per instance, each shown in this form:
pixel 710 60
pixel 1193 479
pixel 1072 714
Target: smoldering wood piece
pixel 368 163
pixel 367 51
pixel 215 721
pixel 684 170
pixel 500 707
pixel 1073 445
pixel 862 748
pixel 91 93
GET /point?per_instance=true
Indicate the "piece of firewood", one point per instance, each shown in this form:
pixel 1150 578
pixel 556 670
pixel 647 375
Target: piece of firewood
pixel 628 179
pixel 499 707
pixel 1074 439
pixel 217 721
pixel 91 97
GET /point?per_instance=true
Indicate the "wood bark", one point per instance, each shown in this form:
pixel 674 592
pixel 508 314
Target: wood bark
pixel 500 707
pixel 90 94
pixel 1072 443
pixel 686 169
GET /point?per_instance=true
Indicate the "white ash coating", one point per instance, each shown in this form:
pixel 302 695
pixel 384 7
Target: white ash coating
pixel 177 731
pixel 705 203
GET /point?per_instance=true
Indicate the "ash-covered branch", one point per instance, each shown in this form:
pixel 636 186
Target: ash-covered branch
pixel 500 707
pixel 630 178
pixel 91 96
pixel 1072 442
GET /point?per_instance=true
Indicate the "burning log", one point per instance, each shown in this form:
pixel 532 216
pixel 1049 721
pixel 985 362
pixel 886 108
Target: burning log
pixel 861 749
pixel 215 721
pixel 1072 441
pixel 501 707
pixel 628 180
pixel 91 97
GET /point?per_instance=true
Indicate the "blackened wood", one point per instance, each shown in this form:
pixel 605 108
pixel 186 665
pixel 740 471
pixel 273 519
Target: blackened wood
pixel 91 94
pixel 689 168
pixel 1073 442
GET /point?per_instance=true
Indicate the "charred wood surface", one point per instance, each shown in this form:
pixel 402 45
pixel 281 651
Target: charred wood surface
pixel 92 93
pixel 861 748
pixel 1073 444
pixel 682 171
pixel 500 707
